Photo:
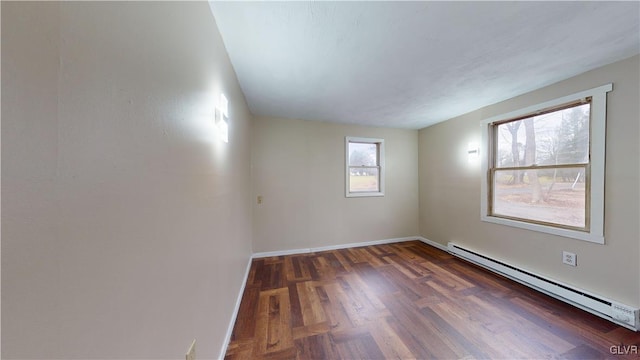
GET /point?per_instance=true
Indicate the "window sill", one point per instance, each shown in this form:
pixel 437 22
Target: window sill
pixel 574 234
pixel 364 194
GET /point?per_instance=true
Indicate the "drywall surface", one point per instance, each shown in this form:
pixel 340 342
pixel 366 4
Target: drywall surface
pixel 299 170
pixel 123 215
pixel 450 192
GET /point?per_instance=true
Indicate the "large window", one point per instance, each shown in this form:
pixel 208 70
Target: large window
pixel 544 167
pixel 364 167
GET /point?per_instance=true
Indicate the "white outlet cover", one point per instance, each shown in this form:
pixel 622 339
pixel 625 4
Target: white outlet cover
pixel 569 258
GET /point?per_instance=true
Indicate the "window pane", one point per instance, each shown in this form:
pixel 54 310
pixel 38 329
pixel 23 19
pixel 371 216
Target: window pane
pixel 552 195
pixel 363 180
pixel 556 138
pixel 363 154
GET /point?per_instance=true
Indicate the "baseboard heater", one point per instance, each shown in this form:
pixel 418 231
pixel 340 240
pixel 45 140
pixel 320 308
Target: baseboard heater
pixel 618 313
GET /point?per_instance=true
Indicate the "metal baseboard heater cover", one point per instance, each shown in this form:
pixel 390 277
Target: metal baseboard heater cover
pixel 607 309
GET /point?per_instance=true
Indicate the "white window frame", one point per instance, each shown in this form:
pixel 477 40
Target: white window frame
pixel 381 168
pixel 597 133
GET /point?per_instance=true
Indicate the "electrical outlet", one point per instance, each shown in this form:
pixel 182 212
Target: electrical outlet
pixel 259 199
pixel 569 258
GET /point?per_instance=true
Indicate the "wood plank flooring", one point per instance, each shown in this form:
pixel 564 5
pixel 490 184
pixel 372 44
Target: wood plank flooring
pixel 408 301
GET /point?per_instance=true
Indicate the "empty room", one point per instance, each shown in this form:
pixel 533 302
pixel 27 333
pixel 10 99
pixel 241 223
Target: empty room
pixel 320 180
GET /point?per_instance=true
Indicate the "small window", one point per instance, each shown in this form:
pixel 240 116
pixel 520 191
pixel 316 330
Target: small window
pixel 544 167
pixel 364 167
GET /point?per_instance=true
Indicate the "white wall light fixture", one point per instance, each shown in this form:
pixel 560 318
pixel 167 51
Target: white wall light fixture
pixel 222 119
pixel 473 152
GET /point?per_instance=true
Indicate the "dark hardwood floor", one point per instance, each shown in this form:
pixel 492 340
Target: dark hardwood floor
pixel 408 301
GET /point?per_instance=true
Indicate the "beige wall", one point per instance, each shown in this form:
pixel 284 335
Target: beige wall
pixel 299 170
pixel 450 192
pixel 126 226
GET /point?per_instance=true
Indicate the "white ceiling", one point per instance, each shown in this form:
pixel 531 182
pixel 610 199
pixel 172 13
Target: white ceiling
pixel 413 64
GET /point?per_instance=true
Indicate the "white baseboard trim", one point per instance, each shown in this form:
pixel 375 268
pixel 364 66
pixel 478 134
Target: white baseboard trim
pixel 279 253
pixel 433 243
pixel 366 243
pixel 333 247
pixel 234 315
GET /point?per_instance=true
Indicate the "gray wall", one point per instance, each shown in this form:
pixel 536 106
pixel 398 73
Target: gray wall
pixel 126 226
pixel 450 192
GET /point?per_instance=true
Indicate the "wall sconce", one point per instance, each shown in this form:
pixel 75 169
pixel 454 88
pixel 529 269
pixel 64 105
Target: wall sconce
pixel 222 119
pixel 473 152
